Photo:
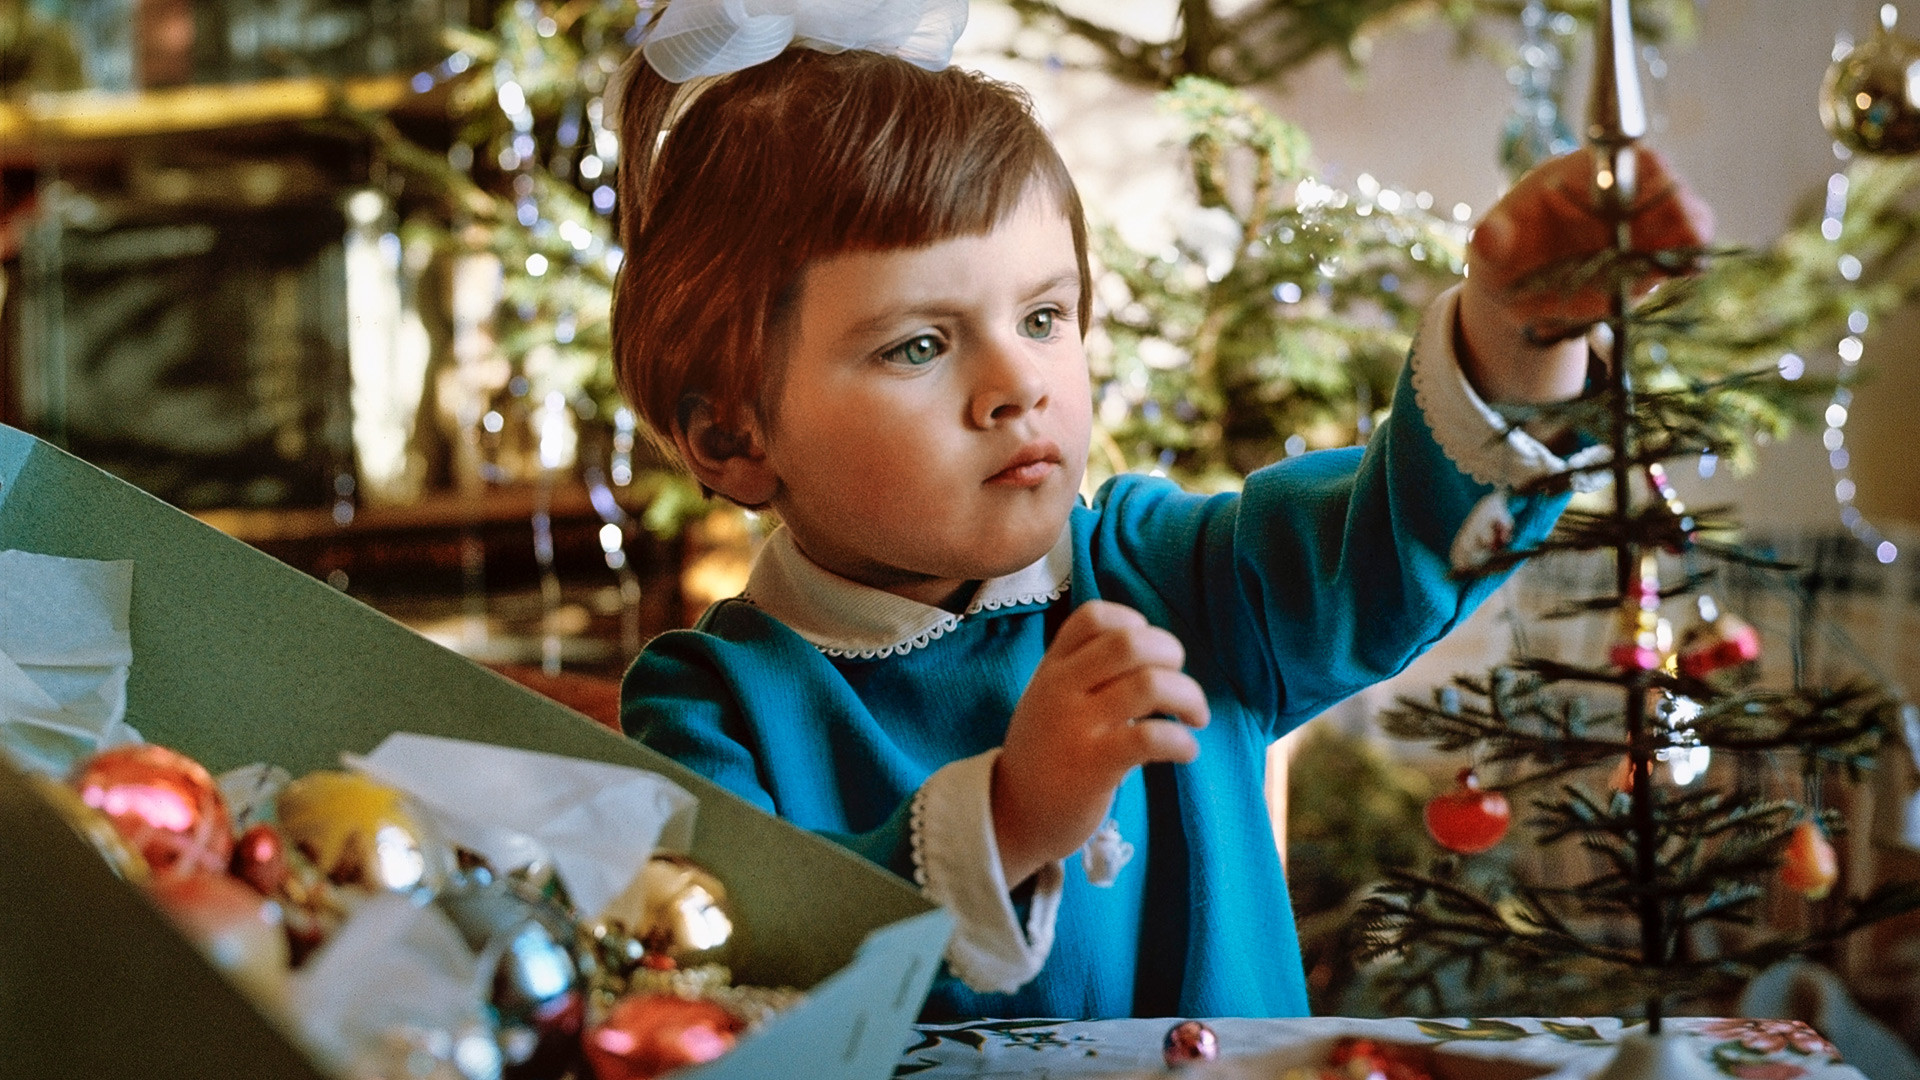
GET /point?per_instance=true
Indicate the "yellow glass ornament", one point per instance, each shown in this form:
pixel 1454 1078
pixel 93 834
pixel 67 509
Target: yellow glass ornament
pixel 360 832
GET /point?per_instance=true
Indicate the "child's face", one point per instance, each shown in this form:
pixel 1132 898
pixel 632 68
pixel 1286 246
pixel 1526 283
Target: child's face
pixel 934 417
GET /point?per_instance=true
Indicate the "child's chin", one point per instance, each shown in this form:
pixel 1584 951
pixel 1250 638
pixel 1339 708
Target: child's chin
pixel 1013 558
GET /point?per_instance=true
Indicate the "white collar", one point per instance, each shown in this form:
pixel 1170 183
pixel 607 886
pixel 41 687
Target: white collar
pixel 845 618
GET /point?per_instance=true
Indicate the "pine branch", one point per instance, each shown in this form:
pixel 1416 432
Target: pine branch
pixel 1727 903
pixel 1264 41
pixel 1884 902
pixel 1704 842
pixel 1426 925
pixel 1571 609
pixel 1421 911
pixel 1123 55
pixel 1608 270
pixel 1844 725
pixel 1510 716
pixel 1653 526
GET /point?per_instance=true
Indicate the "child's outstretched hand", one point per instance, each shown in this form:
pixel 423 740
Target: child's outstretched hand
pixel 1523 346
pixel 1089 715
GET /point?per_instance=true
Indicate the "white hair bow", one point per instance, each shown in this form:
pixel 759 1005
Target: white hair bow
pixel 694 38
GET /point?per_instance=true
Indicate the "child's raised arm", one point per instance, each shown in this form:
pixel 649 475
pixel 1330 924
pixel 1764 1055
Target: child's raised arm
pixel 1524 346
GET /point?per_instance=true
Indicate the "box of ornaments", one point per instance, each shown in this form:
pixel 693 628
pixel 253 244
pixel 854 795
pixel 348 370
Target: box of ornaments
pixel 251 827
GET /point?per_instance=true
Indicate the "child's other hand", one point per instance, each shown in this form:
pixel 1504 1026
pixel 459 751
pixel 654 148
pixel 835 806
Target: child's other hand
pixel 1089 715
pixel 1508 333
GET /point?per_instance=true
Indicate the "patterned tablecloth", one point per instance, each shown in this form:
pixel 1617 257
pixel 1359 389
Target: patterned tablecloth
pixel 1516 1049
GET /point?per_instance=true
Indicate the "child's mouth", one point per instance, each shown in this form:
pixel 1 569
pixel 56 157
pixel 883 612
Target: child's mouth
pixel 1032 474
pixel 1029 468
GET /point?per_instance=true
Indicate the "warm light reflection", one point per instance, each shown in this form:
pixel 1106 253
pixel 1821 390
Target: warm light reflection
pixel 704 922
pixel 400 864
pixel 160 807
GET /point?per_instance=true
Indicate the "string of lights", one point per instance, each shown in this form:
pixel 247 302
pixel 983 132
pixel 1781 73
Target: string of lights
pixel 1849 349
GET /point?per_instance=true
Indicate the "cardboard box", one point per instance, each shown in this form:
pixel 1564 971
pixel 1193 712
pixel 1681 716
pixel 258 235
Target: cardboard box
pixel 238 658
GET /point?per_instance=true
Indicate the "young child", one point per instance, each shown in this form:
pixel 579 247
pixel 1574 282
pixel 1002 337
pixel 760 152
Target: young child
pixel 855 293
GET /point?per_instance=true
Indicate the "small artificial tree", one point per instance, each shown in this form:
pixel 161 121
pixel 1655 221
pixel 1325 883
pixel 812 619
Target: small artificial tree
pixel 1670 914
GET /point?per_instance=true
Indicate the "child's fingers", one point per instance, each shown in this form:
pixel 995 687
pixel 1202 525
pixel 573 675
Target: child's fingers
pixel 1678 219
pixel 1669 214
pixel 1089 621
pixel 1550 215
pixel 1115 653
pixel 1151 691
pixel 1159 740
pixel 1545 218
pixel 1113 641
pixel 1666 212
pixel 1549 218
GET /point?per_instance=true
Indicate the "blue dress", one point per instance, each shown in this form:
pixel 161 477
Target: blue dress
pixel 1329 572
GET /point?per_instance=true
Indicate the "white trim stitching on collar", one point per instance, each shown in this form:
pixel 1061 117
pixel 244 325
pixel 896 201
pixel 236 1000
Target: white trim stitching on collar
pixel 847 619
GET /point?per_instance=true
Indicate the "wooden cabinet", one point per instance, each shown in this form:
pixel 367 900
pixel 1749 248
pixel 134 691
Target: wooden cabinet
pixel 176 309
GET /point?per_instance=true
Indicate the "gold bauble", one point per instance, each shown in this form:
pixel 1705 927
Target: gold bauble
pixel 360 832
pixel 685 918
pixel 1870 100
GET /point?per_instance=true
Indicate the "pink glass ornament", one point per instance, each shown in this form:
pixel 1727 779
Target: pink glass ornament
pixel 646 1035
pixel 164 803
pixel 1189 1041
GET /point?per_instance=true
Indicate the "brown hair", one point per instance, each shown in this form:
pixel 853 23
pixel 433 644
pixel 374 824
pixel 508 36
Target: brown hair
pixel 803 157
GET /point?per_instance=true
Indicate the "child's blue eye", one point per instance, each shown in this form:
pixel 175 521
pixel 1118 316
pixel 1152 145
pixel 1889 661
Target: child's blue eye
pixel 1040 324
pixel 915 351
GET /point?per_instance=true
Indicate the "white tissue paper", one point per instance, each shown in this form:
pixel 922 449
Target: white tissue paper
pixel 397 963
pixel 64 656
pixel 596 824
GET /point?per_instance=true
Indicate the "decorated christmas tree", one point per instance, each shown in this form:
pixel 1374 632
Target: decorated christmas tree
pixel 1660 901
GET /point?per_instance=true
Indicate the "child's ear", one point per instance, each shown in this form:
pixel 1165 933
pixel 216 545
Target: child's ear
pixel 732 463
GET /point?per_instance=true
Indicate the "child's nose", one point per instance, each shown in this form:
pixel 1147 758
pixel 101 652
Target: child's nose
pixel 1011 382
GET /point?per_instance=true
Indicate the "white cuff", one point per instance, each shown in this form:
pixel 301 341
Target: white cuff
pixel 956 860
pixel 1479 441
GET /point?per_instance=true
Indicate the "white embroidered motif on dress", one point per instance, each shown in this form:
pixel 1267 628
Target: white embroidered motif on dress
pixel 1487 531
pixel 1105 854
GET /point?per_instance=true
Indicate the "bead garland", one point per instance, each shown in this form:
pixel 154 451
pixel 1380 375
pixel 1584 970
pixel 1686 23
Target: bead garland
pixel 1850 348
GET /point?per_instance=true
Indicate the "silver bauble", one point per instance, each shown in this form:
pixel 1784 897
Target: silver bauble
pixel 530 975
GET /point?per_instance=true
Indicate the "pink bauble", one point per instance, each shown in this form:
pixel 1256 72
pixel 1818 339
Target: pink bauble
pixel 260 858
pixel 164 803
pixel 1189 1041
pixel 646 1035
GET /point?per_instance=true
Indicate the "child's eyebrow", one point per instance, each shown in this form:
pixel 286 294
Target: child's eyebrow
pixel 933 309
pixel 1058 281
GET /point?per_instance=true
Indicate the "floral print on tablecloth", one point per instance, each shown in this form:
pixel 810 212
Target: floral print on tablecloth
pixel 1754 1049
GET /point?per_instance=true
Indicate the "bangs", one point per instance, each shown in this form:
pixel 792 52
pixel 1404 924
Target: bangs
pixel 923 169
pixel 858 151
